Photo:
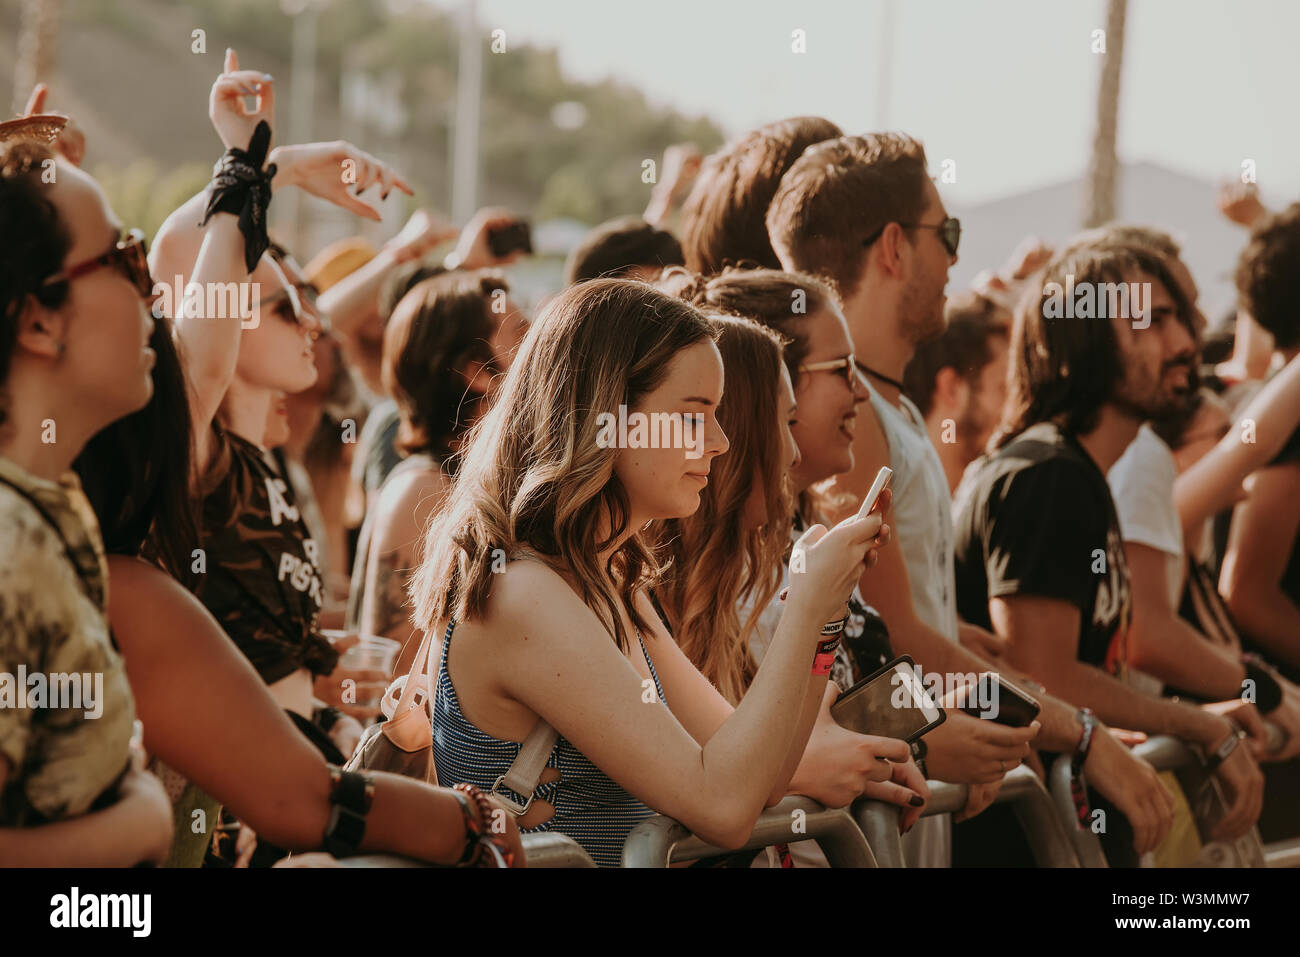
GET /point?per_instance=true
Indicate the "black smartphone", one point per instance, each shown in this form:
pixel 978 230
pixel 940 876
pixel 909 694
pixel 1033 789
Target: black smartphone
pixel 892 703
pixel 995 698
pixel 516 237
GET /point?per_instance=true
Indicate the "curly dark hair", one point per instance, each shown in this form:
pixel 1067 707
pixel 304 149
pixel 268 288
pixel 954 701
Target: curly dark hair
pixel 1268 276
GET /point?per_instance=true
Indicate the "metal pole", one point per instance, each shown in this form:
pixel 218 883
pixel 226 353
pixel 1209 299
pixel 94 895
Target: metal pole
pixel 469 92
pixel 38 35
pixel 302 103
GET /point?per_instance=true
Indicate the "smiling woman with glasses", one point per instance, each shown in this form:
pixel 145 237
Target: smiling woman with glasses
pixel 74 356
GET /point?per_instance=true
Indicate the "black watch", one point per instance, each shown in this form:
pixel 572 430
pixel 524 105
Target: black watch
pixel 351 795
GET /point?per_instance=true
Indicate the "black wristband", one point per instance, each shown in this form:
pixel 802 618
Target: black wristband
pixel 241 187
pixel 1268 693
pixel 351 795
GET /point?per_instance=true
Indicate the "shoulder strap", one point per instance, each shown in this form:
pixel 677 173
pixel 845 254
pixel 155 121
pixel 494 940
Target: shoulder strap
pixel 525 771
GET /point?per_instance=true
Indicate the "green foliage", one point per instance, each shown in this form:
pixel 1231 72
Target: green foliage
pixel 142 196
pixel 590 174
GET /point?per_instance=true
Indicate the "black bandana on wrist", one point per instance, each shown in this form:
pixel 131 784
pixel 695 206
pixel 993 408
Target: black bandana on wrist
pixel 241 187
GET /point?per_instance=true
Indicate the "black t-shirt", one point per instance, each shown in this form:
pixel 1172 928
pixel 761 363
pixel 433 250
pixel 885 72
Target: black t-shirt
pixel 1290 455
pixel 1036 518
pixel 262 581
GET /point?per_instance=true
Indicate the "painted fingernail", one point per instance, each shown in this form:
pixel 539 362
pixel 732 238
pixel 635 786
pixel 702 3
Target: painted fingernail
pixel 916 800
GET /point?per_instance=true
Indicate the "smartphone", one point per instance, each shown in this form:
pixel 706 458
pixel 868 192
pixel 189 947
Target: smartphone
pixel 891 703
pixel 516 237
pixel 879 485
pixel 1000 701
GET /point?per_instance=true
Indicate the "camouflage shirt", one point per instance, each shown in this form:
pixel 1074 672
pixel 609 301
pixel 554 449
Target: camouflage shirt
pixel 66 711
pixel 262 578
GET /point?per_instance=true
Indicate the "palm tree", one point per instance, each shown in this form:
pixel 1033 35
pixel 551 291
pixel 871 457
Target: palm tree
pixel 37 37
pixel 1103 168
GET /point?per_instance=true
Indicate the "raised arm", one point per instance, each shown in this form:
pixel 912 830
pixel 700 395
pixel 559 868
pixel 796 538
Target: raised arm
pixel 185 253
pixel 1211 485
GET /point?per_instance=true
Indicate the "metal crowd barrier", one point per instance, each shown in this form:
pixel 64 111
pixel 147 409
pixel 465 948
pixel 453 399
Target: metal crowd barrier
pixel 1021 788
pixel 660 841
pixel 547 849
pixel 1164 753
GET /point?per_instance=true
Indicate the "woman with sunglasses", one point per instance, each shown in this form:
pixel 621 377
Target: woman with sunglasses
pixel 74 356
pixel 261 578
pixel 446 344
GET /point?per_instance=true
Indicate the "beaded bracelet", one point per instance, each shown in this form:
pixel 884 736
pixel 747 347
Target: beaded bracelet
pixel 483 848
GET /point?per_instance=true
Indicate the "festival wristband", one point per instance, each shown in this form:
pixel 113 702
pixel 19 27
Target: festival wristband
pixel 1078 792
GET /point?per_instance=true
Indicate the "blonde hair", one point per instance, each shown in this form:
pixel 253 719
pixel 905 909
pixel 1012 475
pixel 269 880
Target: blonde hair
pixel 534 478
pixel 716 561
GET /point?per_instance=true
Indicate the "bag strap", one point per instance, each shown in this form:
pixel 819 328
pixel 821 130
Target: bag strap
pixel 525 771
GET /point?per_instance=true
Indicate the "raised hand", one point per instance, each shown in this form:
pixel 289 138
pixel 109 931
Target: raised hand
pixel 423 231
pixel 1239 202
pixel 338 172
pixel 71 142
pixel 233 121
pixel 473 250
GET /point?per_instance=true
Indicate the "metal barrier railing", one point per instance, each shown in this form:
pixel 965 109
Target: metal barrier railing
pixel 1021 788
pixel 1164 753
pixel 660 841
pixel 547 849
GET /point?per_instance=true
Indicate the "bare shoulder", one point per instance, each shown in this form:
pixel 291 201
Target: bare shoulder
pixel 406 503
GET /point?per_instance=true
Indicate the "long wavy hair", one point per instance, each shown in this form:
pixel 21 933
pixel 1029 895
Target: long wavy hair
pixel 1071 367
pixel 716 562
pixel 534 477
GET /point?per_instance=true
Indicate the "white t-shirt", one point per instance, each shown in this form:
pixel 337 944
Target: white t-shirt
pixel 1142 484
pixel 922 513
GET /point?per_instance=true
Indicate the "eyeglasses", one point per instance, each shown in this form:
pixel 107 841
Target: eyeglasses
pixel 949 233
pixel 834 365
pixel 283 294
pixel 129 256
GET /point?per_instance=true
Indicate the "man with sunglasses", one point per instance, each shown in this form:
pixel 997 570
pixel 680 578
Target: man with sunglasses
pixel 863 212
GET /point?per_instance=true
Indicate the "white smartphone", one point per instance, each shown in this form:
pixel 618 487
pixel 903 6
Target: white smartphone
pixel 878 486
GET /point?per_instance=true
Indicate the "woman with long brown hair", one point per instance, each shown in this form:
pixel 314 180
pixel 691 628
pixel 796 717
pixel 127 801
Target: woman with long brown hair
pixel 537 568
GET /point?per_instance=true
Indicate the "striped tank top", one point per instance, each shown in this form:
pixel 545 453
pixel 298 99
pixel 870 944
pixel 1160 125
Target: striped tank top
pixel 589 807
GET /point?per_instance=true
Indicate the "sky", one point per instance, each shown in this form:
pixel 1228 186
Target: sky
pixel 1006 89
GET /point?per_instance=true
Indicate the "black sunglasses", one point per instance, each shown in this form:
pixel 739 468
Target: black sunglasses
pixel 949 232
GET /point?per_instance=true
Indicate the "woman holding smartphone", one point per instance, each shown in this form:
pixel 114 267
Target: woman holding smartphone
pixel 726 567
pixel 536 575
